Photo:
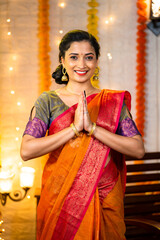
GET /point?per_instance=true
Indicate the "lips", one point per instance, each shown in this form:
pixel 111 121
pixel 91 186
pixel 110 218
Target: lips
pixel 81 73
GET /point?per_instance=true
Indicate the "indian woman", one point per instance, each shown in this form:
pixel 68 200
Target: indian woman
pixel 86 131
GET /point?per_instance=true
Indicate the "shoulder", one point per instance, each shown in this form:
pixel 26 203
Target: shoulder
pixel 46 96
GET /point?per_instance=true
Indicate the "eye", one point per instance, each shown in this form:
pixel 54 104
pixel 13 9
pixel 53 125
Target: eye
pixel 74 57
pixel 89 57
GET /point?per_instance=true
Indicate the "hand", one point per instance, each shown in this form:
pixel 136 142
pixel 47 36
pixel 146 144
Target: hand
pixel 78 118
pixel 86 118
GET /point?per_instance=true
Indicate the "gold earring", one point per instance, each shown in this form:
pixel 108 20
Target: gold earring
pixel 64 77
pixel 95 78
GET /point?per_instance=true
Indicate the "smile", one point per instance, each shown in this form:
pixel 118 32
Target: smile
pixel 81 73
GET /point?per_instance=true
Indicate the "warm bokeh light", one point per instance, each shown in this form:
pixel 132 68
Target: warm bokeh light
pixel 16 138
pixel 60 31
pixel 111 19
pixel 12 92
pixel 17 128
pixel 8 20
pixel 11 69
pixel 14 57
pixel 109 56
pixel 27 176
pixel 20 164
pixel 19 103
pixel 62 5
pixel 106 22
pixel 9 33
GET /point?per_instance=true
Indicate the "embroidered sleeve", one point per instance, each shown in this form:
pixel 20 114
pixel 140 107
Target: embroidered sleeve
pixel 36 128
pixel 127 126
pixel 38 125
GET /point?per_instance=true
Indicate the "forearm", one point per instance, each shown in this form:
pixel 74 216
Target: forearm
pixel 35 147
pixel 132 146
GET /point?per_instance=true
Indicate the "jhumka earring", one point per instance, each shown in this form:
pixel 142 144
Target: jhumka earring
pixel 64 77
pixel 96 74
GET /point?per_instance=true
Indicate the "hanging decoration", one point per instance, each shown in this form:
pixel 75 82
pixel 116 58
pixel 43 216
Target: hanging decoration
pixel 141 65
pixel 92 28
pixel 44 46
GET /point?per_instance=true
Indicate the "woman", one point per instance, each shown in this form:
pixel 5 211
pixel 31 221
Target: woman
pixel 89 130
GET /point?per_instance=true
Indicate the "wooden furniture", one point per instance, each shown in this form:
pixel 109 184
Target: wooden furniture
pixel 142 197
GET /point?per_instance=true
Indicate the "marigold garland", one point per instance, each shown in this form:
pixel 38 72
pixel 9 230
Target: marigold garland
pixel 44 46
pixel 141 65
pixel 92 27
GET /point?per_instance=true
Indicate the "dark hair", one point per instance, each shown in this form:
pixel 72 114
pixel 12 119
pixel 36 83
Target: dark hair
pixel 67 40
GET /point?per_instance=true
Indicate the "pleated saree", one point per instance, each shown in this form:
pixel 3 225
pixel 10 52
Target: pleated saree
pixel 82 197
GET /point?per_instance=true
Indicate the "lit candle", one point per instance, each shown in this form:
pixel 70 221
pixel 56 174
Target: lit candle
pixel 27 177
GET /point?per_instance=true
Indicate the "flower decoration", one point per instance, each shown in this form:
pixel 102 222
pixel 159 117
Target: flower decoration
pixel 92 27
pixel 44 46
pixel 141 65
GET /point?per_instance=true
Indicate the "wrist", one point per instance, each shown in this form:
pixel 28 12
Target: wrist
pixel 92 130
pixel 75 130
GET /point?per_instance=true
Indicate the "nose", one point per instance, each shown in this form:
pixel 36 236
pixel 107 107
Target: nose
pixel 81 63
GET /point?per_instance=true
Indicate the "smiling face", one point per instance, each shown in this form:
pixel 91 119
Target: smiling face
pixel 80 61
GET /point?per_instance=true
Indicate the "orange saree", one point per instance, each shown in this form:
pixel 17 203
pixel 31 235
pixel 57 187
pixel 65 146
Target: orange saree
pixel 81 199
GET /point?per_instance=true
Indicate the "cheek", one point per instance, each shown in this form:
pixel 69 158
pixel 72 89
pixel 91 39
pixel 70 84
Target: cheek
pixel 70 65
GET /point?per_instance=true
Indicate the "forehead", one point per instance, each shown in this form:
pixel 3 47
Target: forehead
pixel 82 47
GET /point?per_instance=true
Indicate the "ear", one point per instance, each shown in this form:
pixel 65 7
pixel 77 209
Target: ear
pixel 62 61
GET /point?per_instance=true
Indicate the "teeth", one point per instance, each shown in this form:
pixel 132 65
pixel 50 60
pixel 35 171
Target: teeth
pixel 81 71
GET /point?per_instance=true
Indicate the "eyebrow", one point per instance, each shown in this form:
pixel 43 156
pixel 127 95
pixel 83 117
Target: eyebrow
pixel 85 54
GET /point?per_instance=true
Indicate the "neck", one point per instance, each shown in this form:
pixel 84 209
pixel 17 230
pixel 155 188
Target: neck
pixel 78 88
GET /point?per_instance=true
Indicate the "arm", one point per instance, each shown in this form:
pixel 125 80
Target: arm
pixel 132 146
pixel 32 147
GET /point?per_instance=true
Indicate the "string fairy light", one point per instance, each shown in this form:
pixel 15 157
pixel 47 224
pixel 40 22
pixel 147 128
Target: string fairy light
pixel 62 4
pixel 18 103
pixel 10 68
pixel 109 56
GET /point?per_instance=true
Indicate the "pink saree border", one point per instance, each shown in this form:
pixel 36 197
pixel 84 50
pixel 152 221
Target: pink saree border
pixel 63 213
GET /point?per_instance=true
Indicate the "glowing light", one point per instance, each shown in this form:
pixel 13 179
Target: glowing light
pixel 3 230
pixel 9 33
pixel 28 197
pixel 8 20
pixel 12 92
pixel 111 19
pixel 5 182
pixel 109 56
pixel 60 31
pixel 27 177
pixel 11 69
pixel 62 5
pixel 20 164
pixel 16 138
pixel 14 57
pixel 106 22
pixel 17 128
pixel 19 103
pixel 156 8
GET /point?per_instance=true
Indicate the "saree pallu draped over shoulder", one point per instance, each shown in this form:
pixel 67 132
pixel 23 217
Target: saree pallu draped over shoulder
pixel 76 199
